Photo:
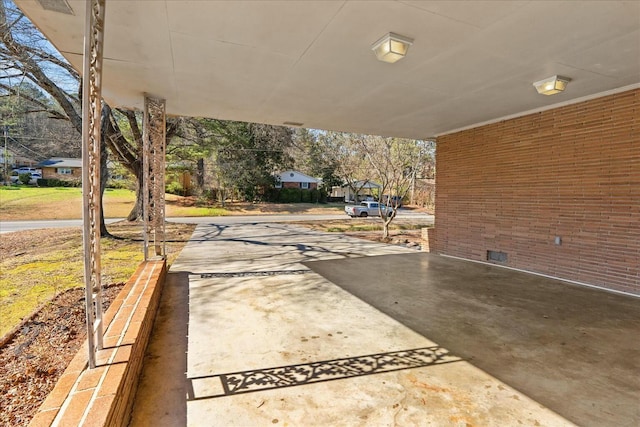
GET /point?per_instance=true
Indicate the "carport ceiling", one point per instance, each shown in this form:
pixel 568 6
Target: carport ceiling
pixel 311 61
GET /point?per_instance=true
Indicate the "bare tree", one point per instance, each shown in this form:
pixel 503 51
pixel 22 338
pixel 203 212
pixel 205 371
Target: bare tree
pixel 33 132
pixel 25 55
pixel 348 160
pixel 393 163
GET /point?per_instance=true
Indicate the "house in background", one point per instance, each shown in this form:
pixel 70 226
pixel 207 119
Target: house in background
pixel 61 168
pixel 295 179
pixel 364 189
pixel 14 159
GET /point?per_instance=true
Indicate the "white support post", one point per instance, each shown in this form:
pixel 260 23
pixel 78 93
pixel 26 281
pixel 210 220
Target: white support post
pixel 153 152
pixel 91 110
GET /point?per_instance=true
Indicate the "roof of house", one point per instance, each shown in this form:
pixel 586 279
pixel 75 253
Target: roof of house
pixel 363 184
pixel 295 176
pixel 61 162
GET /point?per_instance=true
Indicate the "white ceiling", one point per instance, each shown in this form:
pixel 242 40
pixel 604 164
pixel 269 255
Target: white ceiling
pixel 311 62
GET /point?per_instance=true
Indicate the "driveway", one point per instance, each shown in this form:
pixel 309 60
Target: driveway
pixel 12 226
pixel 278 325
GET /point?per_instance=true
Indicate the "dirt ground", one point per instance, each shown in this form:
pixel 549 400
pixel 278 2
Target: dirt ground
pixel 249 208
pixel 402 231
pixel 35 354
pixel 32 362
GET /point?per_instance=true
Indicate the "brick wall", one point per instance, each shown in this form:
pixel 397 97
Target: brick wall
pixel 571 172
pixel 47 173
pixel 312 185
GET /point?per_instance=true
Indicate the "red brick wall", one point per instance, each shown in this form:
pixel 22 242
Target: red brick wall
pixel 312 185
pixel 76 173
pixel 572 172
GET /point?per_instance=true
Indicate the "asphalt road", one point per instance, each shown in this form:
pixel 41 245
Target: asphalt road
pixel 12 226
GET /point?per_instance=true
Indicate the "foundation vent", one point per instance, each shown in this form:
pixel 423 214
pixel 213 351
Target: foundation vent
pixel 496 256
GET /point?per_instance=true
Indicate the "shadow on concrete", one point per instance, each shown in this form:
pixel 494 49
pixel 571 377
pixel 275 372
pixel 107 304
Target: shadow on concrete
pixel 574 349
pixel 219 385
pixel 254 273
pixel 165 361
pixel 279 236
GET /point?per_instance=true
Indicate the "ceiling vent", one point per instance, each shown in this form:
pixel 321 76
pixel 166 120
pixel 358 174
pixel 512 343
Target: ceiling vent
pixel 60 6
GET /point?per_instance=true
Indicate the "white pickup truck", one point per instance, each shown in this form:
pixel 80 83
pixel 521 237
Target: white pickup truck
pixel 368 208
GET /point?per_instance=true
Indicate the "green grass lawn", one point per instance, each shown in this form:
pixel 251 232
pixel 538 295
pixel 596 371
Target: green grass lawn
pixel 24 202
pixel 35 265
pixel 24 193
pixel 52 263
pixel 32 203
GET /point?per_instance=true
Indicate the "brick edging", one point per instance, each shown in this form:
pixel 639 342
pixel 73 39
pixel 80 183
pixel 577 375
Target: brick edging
pixel 103 396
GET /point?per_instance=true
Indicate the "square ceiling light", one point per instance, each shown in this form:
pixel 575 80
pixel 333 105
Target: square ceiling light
pixel 61 6
pixel 552 85
pixel 392 47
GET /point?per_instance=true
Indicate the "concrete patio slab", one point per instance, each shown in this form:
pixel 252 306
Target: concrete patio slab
pixel 572 348
pixel 270 342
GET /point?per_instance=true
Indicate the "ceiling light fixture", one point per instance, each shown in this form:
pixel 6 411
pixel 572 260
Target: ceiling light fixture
pixel 552 85
pixel 392 47
pixel 61 6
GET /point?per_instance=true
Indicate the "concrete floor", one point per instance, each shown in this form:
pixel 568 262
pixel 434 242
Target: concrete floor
pixel 268 324
pixel 573 349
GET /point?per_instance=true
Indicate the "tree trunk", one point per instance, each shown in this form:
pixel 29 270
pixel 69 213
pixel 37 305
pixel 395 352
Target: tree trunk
pixel 104 174
pixel 413 186
pixel 200 175
pixel 222 195
pixel 386 221
pixel 137 210
pixel 104 177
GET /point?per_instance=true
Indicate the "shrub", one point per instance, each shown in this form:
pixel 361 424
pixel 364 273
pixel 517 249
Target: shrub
pixel 290 195
pixel 295 195
pixel 120 184
pixel 209 195
pixel 285 195
pixel 272 195
pixel 54 182
pixel 24 178
pixel 175 188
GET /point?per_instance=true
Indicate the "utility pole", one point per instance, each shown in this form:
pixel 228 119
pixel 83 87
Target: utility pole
pixel 6 156
pixel 413 185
